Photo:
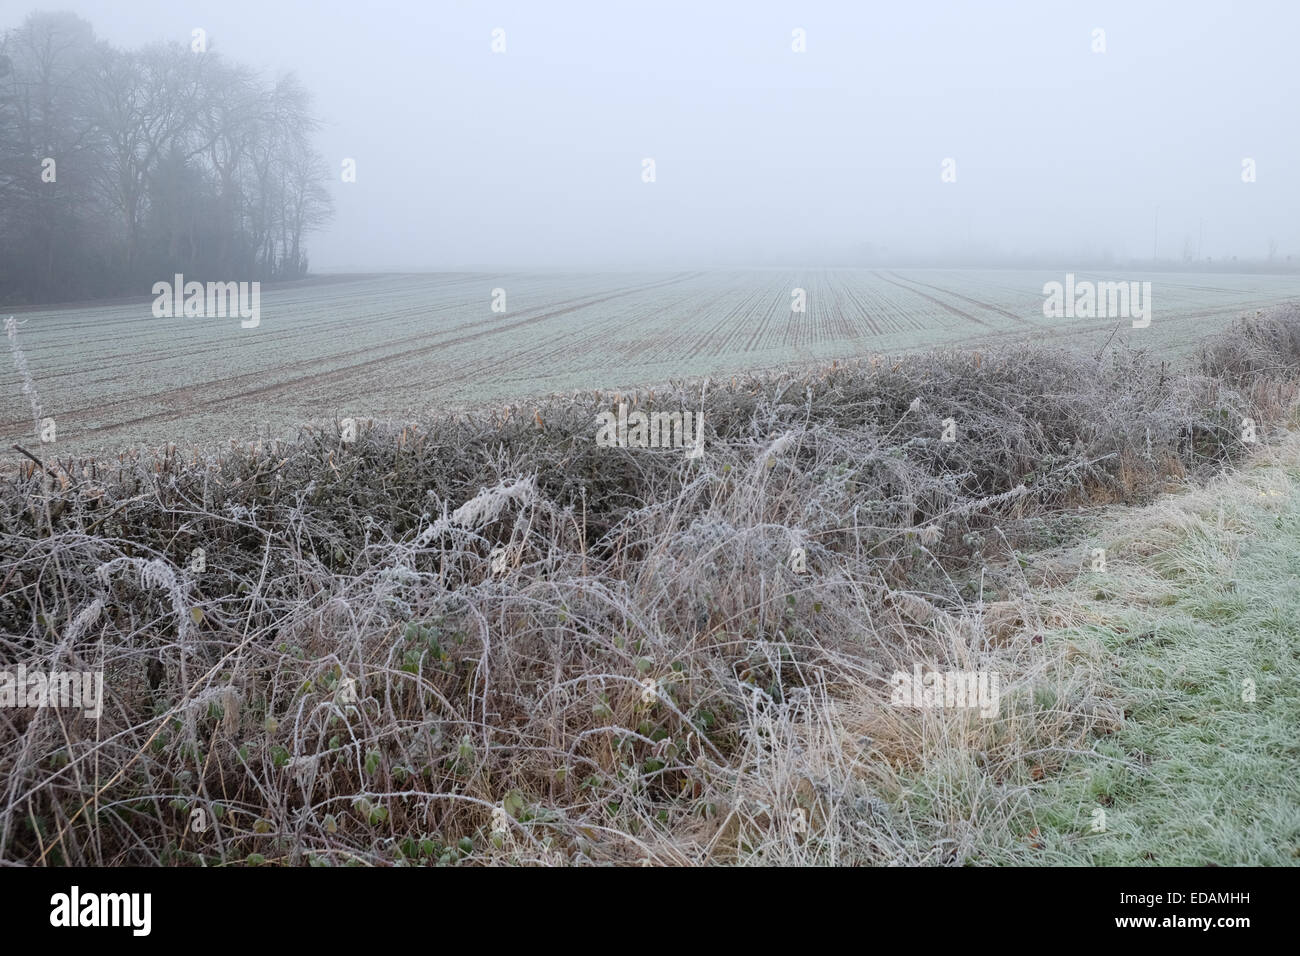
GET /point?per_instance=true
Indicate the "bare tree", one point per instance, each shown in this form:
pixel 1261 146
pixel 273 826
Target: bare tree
pixel 120 167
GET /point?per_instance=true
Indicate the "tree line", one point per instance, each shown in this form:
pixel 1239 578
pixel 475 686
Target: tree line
pixel 119 168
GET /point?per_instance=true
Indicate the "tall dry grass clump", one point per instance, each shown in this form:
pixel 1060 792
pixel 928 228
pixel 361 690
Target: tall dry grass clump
pixel 1261 356
pixel 488 639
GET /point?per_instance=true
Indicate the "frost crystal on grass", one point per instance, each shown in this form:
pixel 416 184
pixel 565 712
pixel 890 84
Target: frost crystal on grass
pixel 154 574
pixel 88 616
pixel 483 508
pixel 20 363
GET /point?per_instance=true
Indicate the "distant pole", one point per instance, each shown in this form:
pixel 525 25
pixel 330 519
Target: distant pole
pixel 1200 234
pixel 1155 236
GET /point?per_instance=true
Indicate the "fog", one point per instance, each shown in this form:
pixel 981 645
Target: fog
pixel 533 157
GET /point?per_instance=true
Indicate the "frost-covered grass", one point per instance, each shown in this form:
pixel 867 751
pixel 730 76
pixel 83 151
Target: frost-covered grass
pixel 405 347
pixel 487 639
pixel 1196 632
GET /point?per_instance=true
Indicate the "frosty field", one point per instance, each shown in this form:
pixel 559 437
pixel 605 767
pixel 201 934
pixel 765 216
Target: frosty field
pixel 406 346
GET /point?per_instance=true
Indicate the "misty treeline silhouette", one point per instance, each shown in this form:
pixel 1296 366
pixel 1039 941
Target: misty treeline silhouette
pixel 119 168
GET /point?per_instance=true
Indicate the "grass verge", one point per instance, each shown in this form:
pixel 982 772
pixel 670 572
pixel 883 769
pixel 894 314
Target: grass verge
pixel 1198 617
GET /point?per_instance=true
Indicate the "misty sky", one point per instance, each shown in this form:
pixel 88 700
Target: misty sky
pixel 532 158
